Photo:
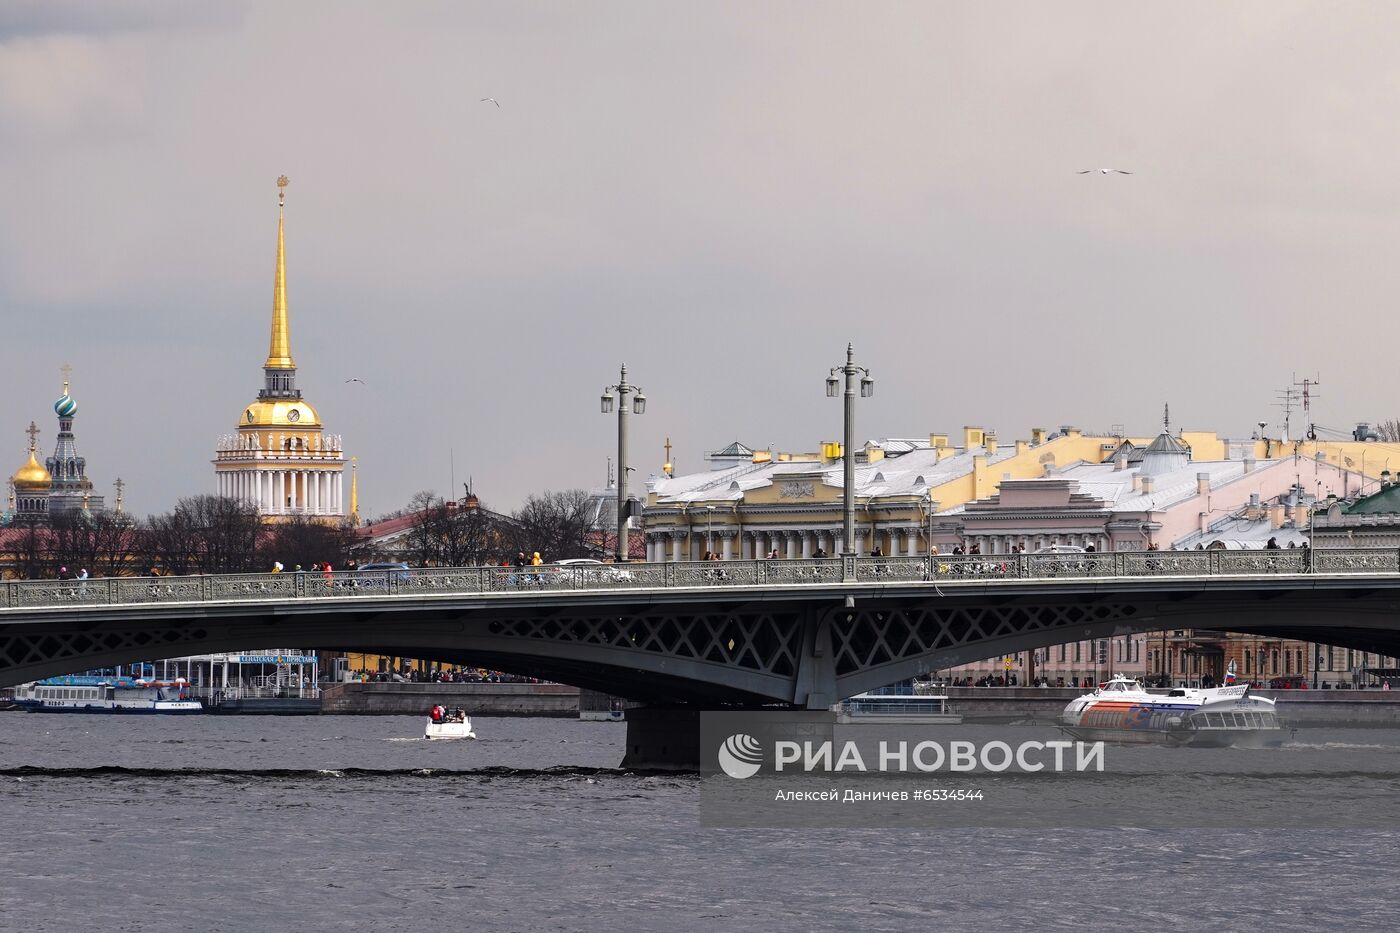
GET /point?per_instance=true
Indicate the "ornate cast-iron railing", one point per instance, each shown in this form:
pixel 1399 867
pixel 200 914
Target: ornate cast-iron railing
pixel 29 594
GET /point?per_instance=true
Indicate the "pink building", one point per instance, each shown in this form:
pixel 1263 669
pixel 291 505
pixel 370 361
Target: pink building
pixel 1151 498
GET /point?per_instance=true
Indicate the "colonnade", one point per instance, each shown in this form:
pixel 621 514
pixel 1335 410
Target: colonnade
pixel 286 492
pixel 681 544
pixel 1004 544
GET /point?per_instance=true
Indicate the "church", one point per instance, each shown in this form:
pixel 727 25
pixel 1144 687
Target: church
pixel 59 487
pixel 280 459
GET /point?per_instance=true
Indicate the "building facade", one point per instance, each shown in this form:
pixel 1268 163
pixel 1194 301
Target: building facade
pixel 281 459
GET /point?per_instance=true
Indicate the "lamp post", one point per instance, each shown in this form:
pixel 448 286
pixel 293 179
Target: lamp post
pixel 709 528
pixel 623 388
pixel 929 504
pixel 867 389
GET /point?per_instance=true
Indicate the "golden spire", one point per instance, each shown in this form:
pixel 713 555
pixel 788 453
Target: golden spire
pixel 120 486
pixel 354 492
pixel 279 353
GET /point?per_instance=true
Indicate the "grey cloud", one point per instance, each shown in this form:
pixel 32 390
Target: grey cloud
pixel 33 18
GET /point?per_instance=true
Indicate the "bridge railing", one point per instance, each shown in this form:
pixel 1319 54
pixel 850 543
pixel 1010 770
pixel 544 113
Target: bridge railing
pixel 940 568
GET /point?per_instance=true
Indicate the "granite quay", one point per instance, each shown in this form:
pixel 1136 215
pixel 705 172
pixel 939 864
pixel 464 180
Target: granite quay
pixel 395 699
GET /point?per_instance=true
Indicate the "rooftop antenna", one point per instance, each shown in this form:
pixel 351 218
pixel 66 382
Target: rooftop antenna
pixel 1308 385
pixel 1287 397
pixel 1166 418
pixel 670 468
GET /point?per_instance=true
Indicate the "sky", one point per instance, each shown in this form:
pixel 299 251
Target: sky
pixel 718 195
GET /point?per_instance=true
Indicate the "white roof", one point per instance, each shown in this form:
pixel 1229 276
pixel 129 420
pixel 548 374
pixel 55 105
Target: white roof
pixel 909 474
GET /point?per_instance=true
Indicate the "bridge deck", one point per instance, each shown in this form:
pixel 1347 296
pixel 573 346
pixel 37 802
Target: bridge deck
pixel 510 584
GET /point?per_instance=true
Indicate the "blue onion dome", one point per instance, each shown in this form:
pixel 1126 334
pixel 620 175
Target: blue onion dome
pixel 65 407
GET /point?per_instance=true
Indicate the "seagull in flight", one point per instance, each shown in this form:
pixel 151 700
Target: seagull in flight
pixel 1103 171
pixel 360 381
pixel 491 99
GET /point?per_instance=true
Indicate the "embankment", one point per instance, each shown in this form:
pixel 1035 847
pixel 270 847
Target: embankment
pixel 395 699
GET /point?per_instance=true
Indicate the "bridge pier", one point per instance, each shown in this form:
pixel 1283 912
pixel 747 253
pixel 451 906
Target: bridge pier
pixel 662 739
pixel 669 738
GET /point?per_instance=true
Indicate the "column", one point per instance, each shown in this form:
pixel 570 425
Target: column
pixel 677 537
pixel 790 545
pixel 806 544
pixel 726 548
pixel 860 544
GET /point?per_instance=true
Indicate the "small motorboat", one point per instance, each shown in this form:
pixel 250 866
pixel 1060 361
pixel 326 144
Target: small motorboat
pixel 1122 711
pixel 448 724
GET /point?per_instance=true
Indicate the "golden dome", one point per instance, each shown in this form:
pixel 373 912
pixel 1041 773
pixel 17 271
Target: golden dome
pixel 279 413
pixel 32 476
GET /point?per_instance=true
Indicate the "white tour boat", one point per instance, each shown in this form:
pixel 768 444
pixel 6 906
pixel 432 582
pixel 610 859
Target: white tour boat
pixel 107 695
pixel 1122 711
pixel 900 704
pixel 455 724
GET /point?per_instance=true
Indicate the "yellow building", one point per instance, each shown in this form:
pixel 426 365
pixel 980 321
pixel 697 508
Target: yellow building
pixel 763 502
pixel 280 459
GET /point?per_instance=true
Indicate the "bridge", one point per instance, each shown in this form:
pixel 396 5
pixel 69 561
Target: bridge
pixel 800 633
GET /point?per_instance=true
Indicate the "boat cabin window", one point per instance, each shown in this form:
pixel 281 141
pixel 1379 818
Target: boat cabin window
pixel 1177 693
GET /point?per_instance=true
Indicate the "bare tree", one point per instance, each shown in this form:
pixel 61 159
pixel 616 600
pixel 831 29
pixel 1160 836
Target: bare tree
pixel 228 530
pixel 304 542
pixel 170 543
pixel 30 550
pixel 1388 430
pixel 556 524
pixel 450 534
pixel 117 539
pixel 471 536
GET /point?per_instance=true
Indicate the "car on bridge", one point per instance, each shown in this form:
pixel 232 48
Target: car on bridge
pixel 585 570
pixel 381 574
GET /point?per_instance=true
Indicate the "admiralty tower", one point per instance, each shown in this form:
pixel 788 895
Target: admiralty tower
pixel 281 460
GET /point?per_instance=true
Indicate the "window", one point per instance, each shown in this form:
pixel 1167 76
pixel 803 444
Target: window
pixel 1077 646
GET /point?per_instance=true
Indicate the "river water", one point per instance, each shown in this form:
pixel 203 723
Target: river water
pixel 353 823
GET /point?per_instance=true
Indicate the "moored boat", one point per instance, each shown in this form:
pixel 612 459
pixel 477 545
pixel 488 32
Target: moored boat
pixel 904 703
pixel 106 695
pixel 1122 711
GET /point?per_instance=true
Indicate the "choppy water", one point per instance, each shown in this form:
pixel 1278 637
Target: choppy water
pixel 331 823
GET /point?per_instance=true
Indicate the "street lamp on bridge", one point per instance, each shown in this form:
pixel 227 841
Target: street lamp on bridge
pixel 623 388
pixel 848 484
